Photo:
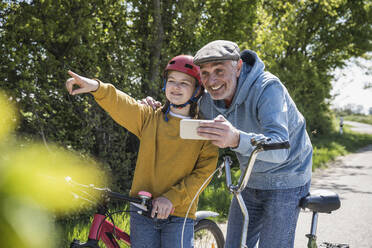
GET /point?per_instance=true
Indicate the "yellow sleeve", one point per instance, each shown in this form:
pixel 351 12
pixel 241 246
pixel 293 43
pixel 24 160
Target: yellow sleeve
pixel 184 191
pixel 122 108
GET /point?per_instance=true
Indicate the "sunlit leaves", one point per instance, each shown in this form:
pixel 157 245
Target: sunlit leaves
pixel 8 116
pixel 33 187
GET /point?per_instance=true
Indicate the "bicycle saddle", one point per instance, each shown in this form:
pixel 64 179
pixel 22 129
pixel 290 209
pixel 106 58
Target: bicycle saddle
pixel 321 201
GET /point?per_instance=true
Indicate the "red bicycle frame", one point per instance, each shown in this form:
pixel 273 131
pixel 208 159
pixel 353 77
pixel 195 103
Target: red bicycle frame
pixel 101 229
pixel 105 230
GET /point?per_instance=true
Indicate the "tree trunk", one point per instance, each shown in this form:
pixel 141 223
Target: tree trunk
pixel 156 47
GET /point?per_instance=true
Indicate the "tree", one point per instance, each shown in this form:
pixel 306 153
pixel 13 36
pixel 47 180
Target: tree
pixel 41 40
pixel 126 43
pixel 304 41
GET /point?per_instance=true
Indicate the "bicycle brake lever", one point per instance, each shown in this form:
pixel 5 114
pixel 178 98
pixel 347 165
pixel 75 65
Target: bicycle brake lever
pixel 256 142
pixel 140 206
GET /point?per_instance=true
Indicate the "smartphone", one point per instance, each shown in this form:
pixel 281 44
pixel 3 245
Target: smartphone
pixel 188 129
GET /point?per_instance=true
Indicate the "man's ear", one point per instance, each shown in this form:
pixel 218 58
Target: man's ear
pixel 239 67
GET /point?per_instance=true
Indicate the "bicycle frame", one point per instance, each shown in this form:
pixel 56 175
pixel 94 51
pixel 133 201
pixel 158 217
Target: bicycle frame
pixel 106 232
pixel 242 183
pixel 102 229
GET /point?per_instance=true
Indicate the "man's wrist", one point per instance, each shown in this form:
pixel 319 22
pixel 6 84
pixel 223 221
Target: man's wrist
pixel 236 145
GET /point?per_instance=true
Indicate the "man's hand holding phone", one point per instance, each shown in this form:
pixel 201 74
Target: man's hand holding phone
pixel 220 131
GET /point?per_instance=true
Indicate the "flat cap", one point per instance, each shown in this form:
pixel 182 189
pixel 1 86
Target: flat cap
pixel 217 50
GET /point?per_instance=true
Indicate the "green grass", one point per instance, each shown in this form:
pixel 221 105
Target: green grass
pixel 359 118
pixel 328 148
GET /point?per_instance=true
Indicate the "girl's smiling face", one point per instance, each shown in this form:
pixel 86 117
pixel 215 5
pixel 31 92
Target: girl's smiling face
pixel 180 87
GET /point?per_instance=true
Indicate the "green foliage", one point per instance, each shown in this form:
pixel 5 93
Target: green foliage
pixel 33 187
pixel 128 43
pixel 228 20
pixel 303 41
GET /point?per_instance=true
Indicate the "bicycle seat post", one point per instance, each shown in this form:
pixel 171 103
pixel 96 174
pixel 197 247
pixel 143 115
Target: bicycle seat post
pixel 312 235
pixel 314 224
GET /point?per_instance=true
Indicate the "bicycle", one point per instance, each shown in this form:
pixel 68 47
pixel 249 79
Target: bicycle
pixel 320 201
pixel 206 232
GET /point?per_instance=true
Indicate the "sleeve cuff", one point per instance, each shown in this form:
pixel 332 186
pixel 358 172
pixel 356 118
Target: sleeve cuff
pixel 173 196
pixel 244 143
pixel 99 93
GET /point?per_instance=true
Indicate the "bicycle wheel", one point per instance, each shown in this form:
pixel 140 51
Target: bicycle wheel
pixel 208 234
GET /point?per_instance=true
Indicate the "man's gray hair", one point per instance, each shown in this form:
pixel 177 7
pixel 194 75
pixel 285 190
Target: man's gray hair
pixel 234 63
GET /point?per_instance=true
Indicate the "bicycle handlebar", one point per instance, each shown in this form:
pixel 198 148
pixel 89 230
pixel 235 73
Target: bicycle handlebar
pixel 275 146
pixel 107 194
pixel 260 146
pixel 118 196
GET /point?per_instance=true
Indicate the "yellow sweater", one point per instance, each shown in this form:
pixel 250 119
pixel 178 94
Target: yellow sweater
pixel 166 165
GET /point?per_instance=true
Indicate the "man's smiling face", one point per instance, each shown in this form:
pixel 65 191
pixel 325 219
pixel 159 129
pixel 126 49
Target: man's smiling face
pixel 220 78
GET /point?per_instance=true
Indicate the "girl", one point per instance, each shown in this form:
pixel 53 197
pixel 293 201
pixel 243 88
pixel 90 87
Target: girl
pixel 170 168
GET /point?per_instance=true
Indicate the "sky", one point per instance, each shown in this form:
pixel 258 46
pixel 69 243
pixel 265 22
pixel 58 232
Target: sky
pixel 349 83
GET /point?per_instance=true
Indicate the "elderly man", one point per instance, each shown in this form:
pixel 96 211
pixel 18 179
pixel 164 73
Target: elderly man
pixel 247 103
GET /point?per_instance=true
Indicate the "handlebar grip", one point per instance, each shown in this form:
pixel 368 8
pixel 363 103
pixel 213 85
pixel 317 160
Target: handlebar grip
pixel 119 196
pixel 276 146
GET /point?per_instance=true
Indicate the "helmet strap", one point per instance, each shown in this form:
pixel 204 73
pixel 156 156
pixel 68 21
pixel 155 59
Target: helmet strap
pixel 166 114
pixel 164 84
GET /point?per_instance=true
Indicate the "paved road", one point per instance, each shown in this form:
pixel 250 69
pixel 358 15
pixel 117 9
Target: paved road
pixel 359 127
pixel 351 177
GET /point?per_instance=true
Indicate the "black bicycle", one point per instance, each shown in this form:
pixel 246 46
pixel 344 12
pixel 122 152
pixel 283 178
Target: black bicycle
pixel 319 201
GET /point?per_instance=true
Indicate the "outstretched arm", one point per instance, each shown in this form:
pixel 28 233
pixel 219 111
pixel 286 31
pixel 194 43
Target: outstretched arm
pixel 86 85
pixel 119 105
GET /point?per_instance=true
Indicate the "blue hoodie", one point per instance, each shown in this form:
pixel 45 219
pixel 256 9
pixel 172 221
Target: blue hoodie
pixel 262 107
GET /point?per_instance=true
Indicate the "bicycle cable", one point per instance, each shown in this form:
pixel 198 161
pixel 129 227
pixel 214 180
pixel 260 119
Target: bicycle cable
pixel 196 195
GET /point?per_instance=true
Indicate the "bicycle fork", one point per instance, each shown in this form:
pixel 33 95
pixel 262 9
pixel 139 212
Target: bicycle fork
pixel 246 220
pixel 236 192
